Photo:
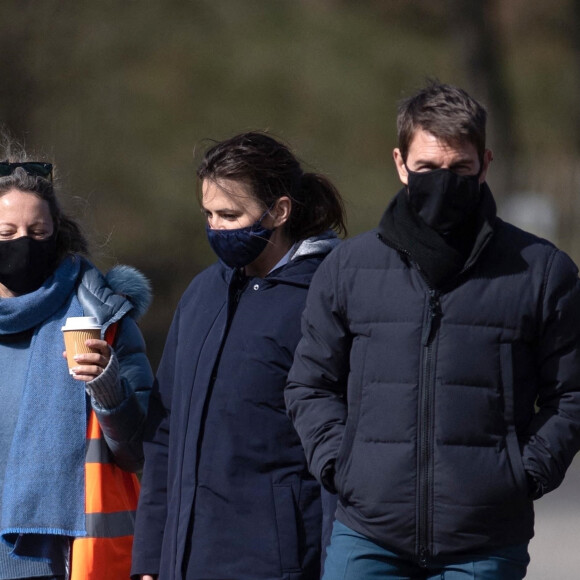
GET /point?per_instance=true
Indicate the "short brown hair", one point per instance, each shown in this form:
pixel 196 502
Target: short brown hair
pixel 445 111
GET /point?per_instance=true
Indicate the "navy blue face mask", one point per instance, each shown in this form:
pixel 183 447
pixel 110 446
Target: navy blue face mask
pixel 442 198
pixel 239 247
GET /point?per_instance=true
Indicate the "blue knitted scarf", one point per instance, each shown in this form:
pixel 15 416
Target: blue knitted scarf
pixel 44 483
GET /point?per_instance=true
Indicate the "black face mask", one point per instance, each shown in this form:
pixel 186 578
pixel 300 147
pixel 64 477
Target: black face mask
pixel 443 199
pixel 26 263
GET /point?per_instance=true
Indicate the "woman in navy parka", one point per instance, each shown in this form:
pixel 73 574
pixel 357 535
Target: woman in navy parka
pixel 226 492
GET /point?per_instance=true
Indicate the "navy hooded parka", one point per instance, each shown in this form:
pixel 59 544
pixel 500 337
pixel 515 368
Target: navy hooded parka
pixel 226 492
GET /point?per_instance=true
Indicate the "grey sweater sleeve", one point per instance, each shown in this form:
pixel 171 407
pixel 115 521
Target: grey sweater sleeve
pixel 123 423
pixel 106 390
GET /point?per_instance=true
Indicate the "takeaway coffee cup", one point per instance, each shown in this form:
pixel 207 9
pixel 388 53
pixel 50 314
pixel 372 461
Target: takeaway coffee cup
pixel 76 331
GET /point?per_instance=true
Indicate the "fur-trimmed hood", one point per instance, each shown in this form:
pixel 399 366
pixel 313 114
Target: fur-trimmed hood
pixel 133 285
pixel 124 290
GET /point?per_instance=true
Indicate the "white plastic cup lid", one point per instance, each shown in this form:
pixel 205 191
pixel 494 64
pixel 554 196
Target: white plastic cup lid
pixel 81 323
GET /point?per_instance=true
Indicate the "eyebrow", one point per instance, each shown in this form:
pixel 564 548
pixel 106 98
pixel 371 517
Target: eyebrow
pixel 220 210
pixel 39 222
pixel 463 161
pixel 430 162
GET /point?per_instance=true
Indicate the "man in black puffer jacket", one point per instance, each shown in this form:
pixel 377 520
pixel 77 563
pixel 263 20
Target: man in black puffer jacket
pixel 437 384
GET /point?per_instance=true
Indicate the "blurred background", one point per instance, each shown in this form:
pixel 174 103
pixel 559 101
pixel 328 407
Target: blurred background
pixel 125 95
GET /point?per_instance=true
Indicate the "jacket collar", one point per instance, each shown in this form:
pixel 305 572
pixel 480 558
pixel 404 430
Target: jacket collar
pixel 305 257
pixel 440 260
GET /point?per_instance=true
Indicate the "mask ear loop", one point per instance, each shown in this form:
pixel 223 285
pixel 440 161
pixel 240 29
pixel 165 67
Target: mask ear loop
pixel 259 222
pixel 266 213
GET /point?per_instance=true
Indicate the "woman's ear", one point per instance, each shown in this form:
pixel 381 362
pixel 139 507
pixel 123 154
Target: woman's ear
pixel 280 213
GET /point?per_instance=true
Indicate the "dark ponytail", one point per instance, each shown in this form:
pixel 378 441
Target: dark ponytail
pixel 317 207
pixel 271 171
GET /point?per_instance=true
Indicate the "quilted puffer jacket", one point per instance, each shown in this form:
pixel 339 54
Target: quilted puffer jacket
pixel 122 297
pixel 424 399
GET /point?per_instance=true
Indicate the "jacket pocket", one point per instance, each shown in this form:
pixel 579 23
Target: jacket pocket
pixel 287 527
pixel 354 399
pixel 512 443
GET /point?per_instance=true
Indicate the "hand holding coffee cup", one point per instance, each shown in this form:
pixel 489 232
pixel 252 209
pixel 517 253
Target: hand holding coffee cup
pixel 87 355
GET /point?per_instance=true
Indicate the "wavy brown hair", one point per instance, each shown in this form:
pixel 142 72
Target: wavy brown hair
pixel 271 171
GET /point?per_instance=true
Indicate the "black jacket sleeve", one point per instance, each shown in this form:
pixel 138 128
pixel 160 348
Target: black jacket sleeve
pixel 554 434
pixel 316 390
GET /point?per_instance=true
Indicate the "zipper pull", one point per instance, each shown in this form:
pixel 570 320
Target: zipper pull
pixel 435 314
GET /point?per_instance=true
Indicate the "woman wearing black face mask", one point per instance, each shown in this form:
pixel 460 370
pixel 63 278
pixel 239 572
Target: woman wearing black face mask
pixel 68 440
pixel 240 503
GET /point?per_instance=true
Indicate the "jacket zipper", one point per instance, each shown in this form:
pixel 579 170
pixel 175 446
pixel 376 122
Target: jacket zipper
pixel 235 291
pixel 426 395
pixel 426 387
pixel 425 426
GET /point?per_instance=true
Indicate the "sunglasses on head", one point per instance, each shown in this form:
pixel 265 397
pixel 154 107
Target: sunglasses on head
pixel 34 168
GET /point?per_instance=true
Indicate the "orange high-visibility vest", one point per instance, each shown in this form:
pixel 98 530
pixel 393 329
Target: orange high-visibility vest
pixel 110 502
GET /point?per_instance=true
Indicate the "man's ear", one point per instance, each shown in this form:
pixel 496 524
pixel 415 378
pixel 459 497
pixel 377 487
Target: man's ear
pixel 487 159
pixel 400 165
